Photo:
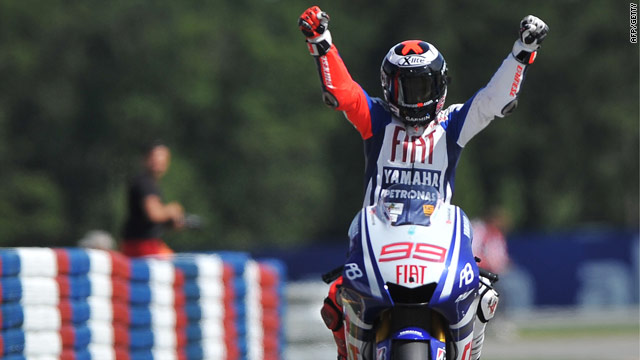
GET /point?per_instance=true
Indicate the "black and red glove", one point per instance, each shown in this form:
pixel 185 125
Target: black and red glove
pixel 314 24
pixel 532 32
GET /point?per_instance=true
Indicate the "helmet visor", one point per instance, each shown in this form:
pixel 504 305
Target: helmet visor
pixel 417 89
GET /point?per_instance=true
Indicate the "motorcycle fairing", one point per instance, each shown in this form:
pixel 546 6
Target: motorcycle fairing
pixel 456 295
pixel 364 293
pixel 382 349
pixel 360 273
pixel 437 348
pixel 421 251
pixel 412 333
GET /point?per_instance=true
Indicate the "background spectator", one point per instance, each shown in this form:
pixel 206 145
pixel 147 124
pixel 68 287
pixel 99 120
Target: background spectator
pixel 148 215
pixel 489 242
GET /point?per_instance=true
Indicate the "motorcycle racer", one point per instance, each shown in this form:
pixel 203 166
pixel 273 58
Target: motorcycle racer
pixel 409 136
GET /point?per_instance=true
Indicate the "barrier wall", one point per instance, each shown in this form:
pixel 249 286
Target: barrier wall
pixel 594 267
pixel 72 303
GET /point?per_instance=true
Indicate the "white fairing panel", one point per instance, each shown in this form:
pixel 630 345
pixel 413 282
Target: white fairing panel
pixel 411 255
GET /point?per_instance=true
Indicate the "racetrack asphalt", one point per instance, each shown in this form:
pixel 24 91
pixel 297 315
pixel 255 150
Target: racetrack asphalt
pixel 549 334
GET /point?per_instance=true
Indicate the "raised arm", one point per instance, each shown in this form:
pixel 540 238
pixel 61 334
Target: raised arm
pixel 339 90
pixel 500 96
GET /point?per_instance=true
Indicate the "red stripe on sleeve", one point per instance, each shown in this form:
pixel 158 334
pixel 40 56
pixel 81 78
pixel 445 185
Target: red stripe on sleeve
pixel 351 98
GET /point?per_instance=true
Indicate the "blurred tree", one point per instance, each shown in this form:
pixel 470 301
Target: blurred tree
pixel 230 86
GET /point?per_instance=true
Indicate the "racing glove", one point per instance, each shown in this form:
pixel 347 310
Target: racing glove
pixel 314 24
pixel 532 33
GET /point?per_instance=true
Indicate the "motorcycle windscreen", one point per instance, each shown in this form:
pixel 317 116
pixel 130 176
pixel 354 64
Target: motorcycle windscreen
pixel 409 205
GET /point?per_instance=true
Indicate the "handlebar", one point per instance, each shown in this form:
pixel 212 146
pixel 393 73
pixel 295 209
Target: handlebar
pixel 332 275
pixel 486 273
pixel 489 275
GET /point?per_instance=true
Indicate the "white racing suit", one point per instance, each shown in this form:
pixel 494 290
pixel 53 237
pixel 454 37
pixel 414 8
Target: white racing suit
pixel 429 155
pixel 396 153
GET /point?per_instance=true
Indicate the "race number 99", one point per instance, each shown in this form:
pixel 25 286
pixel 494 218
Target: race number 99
pixel 405 250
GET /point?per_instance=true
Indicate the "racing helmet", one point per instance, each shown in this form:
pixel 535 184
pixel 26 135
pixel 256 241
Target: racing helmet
pixel 414 81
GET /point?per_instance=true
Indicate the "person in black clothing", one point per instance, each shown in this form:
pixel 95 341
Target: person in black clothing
pixel 148 215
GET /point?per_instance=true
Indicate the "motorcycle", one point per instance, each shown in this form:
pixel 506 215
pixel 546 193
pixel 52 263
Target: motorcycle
pixel 410 282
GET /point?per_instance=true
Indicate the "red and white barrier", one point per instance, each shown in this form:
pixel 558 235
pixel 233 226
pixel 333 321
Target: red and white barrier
pixel 92 304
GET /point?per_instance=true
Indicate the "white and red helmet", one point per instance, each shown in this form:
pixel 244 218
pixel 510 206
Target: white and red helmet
pixel 414 81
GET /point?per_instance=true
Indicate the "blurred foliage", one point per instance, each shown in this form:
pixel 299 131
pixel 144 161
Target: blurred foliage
pixel 231 88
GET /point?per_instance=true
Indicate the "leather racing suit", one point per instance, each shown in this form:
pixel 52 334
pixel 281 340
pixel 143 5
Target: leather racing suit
pixel 396 153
